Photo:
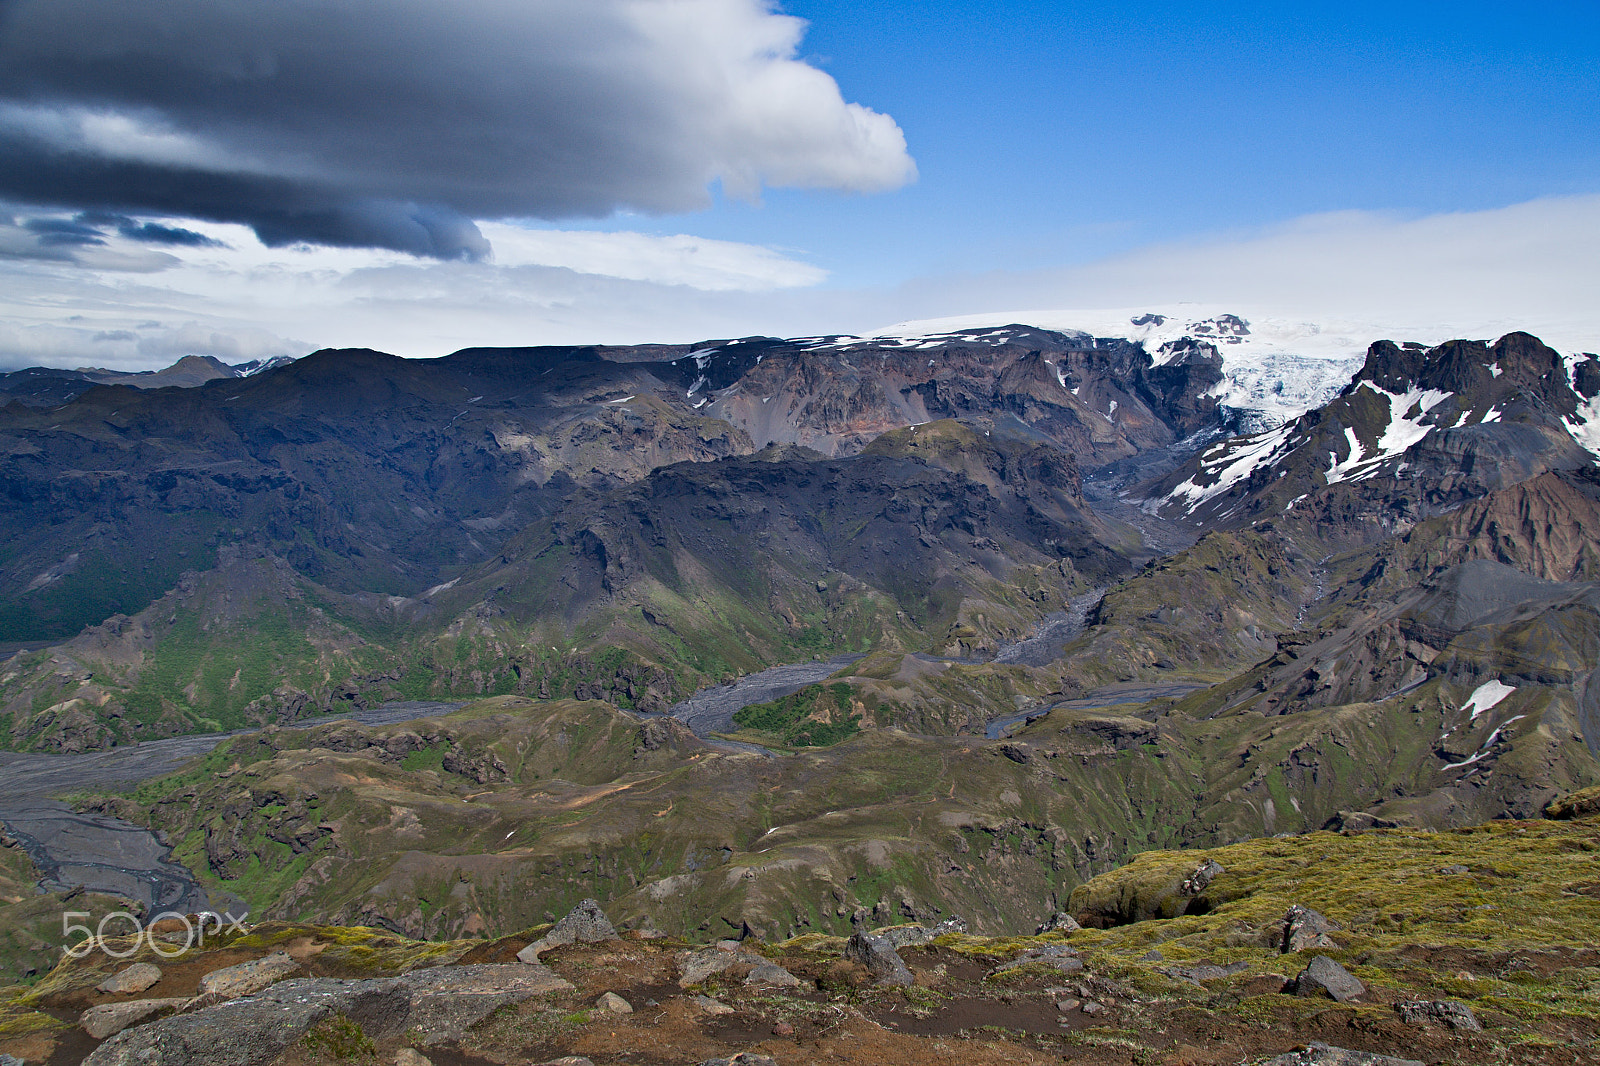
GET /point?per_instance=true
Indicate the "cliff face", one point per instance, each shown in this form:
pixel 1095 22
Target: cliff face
pixel 1099 399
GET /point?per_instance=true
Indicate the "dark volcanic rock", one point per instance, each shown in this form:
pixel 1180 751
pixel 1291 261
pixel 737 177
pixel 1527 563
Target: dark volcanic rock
pixel 1324 977
pixel 1303 929
pixel 880 958
pixel 1446 1012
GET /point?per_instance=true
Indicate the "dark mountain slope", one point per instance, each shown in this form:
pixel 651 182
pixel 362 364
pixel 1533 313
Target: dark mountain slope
pixel 366 472
pixel 932 538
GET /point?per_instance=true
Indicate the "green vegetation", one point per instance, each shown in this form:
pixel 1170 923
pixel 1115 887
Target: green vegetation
pixel 816 716
pixel 340 1039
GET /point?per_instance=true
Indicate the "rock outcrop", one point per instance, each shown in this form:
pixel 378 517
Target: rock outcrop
pixel 586 923
pixel 880 959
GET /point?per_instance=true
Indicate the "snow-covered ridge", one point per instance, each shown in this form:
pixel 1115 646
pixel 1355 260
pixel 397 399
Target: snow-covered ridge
pixel 1275 368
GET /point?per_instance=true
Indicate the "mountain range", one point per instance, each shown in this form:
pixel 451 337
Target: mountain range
pixel 1083 606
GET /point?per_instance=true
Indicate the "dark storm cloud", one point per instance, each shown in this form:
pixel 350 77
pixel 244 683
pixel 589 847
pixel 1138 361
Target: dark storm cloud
pixel 394 123
pixel 149 232
pixel 80 241
pixel 59 232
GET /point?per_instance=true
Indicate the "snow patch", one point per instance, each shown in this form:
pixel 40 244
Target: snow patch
pixel 1401 433
pixel 1230 463
pixel 1487 696
pixel 1584 425
pixel 1487 744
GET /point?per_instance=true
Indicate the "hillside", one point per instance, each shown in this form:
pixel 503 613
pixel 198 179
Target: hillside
pixel 1463 947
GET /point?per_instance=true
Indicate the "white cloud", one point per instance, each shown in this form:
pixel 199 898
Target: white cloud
pixel 1532 266
pixel 1351 278
pixel 715 266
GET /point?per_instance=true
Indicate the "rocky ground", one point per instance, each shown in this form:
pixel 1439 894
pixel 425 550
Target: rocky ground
pixel 1380 948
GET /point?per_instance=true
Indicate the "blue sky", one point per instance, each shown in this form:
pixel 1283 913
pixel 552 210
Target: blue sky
pixel 423 175
pixel 1053 133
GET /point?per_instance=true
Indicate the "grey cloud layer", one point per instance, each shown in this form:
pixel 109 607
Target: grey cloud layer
pixel 394 123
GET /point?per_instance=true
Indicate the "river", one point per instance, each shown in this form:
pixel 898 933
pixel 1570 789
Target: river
pixel 106 854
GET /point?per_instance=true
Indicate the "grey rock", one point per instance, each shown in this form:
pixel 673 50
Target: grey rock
pixel 1326 1055
pixel 743 1058
pixel 136 978
pixel 254 1030
pixel 614 1003
pixel 440 1003
pixel 108 1019
pixel 696 966
pixel 411 1057
pixel 1204 971
pixel 1092 1008
pixel 10 1060
pixel 880 958
pixel 1446 1012
pixel 248 978
pixel 770 973
pixel 1059 922
pixel 1304 929
pixel 1453 868
pixel 445 1001
pixel 1057 957
pixel 1324 977
pixel 904 936
pixel 1064 1005
pixel 711 1006
pixel 586 923
pixel 953 924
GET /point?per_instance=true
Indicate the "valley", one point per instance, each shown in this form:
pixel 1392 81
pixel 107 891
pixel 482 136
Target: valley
pixel 784 641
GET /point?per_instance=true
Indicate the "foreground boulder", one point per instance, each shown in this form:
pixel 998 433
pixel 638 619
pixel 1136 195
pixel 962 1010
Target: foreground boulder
pixel 586 923
pixel 695 967
pixel 1155 885
pixel 1584 803
pixel 880 958
pixel 247 978
pixel 1324 977
pixel 1205 971
pixel 109 1019
pixel 1054 956
pixel 435 1004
